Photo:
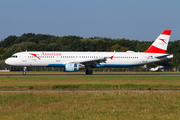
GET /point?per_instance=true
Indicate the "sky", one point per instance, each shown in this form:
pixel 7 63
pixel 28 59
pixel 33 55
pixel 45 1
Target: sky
pixel 141 20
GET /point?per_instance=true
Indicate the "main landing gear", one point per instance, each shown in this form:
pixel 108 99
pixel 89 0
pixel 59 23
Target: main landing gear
pixel 24 70
pixel 89 72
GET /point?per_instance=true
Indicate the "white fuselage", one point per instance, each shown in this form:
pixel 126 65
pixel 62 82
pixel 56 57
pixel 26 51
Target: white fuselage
pixel 59 59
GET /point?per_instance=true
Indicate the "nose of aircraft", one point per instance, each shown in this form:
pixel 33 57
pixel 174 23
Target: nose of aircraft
pixel 7 61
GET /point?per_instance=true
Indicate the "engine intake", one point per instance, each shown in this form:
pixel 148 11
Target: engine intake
pixel 71 67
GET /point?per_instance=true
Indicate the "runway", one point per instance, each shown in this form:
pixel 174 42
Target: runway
pixel 28 75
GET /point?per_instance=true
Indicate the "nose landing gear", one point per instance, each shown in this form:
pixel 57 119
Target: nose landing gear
pixel 24 70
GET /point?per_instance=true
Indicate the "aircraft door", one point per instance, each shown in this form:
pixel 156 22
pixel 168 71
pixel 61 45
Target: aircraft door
pixel 58 59
pixel 144 58
pixel 24 57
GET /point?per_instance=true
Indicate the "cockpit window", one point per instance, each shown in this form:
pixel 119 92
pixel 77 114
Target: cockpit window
pixel 14 56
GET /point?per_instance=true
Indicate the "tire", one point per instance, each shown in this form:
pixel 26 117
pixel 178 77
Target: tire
pixel 89 72
pixel 24 73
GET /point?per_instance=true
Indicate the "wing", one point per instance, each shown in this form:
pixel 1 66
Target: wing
pixel 95 61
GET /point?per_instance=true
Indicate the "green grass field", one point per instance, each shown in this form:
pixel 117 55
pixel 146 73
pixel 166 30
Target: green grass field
pixel 31 104
pixel 90 106
pixel 90 83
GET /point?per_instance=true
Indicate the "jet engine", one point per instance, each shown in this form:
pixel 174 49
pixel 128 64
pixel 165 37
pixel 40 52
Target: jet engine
pixel 71 67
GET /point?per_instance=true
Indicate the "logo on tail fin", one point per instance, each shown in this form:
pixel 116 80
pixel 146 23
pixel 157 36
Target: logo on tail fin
pixel 164 40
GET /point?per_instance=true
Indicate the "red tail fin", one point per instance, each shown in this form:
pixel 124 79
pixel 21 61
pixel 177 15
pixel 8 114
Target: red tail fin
pixel 160 44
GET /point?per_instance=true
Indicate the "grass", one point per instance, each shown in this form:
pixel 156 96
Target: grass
pixel 32 104
pixel 90 83
pixel 96 105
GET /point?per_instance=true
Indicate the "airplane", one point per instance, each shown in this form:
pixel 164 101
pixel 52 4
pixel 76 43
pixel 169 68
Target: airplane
pixel 74 61
pixel 158 68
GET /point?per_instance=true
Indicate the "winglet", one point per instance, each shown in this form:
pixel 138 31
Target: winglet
pixel 160 44
pixel 111 57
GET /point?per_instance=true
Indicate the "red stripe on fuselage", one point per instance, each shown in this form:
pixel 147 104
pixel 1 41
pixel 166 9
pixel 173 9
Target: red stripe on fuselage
pixel 34 55
pixel 154 49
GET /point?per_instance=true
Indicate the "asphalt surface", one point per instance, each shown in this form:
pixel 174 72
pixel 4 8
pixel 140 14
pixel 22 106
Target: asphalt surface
pixel 20 75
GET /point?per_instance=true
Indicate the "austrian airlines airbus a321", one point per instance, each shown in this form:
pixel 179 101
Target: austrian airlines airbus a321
pixel 74 61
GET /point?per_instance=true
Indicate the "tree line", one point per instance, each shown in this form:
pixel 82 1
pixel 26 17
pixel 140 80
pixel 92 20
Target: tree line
pixel 44 42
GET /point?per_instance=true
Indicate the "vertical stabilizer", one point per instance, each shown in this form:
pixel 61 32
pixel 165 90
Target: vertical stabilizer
pixel 160 44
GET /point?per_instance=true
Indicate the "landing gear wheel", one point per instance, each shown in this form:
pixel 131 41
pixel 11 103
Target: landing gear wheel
pixel 24 70
pixel 89 72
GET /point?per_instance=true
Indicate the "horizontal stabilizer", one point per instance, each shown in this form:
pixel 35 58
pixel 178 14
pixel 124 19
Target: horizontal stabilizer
pixel 166 55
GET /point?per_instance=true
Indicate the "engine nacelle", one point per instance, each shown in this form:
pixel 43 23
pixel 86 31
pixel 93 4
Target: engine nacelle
pixel 71 67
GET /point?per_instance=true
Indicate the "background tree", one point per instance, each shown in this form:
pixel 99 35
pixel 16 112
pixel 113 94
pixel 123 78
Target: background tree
pixel 1 50
pixel 44 42
pixel 9 41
